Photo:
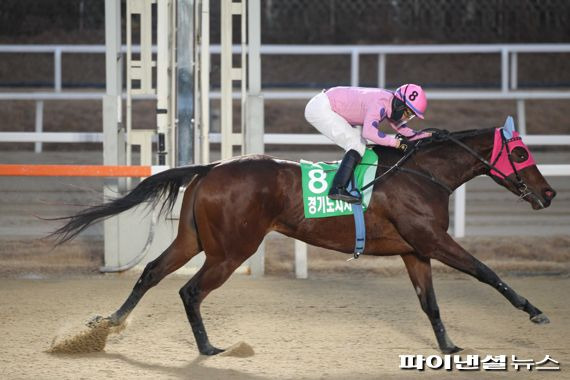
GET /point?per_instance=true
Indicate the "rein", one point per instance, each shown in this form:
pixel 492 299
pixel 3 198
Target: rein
pixel 398 166
pixel 439 135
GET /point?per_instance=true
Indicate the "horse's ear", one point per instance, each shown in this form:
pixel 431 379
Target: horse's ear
pixel 509 127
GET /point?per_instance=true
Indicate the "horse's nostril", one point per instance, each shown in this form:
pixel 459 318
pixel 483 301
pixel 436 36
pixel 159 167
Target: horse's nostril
pixel 550 194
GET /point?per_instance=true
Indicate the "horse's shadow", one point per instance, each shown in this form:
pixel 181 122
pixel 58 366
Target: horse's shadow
pixel 194 369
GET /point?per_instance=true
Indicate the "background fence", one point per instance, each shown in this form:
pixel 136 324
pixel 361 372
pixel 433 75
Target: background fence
pixel 418 21
pixel 339 21
pixel 507 68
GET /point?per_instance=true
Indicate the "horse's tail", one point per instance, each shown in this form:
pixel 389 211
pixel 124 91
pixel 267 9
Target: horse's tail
pixel 151 190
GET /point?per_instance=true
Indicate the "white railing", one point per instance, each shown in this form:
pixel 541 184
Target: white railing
pixel 508 69
pixel 268 138
pixel 41 97
pixel 509 54
pixel 39 136
pixel 509 73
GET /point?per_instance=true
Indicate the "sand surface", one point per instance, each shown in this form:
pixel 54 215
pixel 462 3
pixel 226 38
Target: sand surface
pixel 330 326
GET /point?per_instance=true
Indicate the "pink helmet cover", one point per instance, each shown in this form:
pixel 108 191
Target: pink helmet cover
pixel 500 155
pixel 414 97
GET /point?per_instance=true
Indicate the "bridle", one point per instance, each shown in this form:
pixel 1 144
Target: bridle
pixel 439 135
pixel 519 184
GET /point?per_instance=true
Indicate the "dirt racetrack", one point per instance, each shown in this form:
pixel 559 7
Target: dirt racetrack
pixel 328 327
pixel 348 321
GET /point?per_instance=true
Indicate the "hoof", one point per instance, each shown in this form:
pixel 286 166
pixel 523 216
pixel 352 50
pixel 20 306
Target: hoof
pixel 95 321
pixel 451 350
pixel 211 351
pixel 540 319
pixel 98 320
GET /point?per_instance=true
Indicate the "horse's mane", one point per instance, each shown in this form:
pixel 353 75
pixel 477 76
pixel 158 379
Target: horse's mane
pixel 443 134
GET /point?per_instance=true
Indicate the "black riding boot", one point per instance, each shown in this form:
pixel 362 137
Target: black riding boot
pixel 342 177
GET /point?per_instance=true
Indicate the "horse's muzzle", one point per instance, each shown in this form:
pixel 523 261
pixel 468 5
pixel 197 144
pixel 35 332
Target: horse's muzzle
pixel 548 195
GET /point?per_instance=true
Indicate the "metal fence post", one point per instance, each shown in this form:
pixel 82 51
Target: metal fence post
pixel 57 69
pixel 254 110
pixel 504 70
pixel 113 134
pixel 521 117
pixel 514 70
pixel 382 70
pixel 354 67
pixel 185 82
pixel 301 270
pixel 459 212
pixel 39 123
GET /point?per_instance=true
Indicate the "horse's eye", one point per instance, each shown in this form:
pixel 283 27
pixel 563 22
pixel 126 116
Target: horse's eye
pixel 519 154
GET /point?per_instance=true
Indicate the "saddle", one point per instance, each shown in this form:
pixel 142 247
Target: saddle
pixel 317 179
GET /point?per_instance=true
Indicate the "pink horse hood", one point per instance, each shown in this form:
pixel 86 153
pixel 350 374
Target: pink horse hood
pixel 500 155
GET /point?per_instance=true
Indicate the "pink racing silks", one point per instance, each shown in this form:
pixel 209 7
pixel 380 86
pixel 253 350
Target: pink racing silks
pixel 369 107
pixel 500 155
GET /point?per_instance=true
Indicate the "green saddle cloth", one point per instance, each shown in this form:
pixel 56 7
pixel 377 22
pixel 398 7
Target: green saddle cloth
pixel 317 178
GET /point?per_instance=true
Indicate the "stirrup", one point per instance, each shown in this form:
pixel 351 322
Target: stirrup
pixel 341 194
pixel 355 256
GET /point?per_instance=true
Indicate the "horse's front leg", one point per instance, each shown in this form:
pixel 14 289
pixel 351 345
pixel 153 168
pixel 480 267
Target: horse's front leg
pixel 442 247
pixel 419 270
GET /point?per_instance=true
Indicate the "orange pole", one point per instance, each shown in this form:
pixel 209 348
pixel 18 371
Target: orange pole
pixel 74 171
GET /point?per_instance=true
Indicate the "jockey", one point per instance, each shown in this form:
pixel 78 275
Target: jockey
pixel 351 115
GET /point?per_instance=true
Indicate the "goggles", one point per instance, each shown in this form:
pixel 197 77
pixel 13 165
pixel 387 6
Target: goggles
pixel 401 113
pixel 405 120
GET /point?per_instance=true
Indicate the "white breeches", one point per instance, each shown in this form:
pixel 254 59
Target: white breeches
pixel 319 113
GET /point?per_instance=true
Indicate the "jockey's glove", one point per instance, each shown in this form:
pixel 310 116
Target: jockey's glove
pixel 405 143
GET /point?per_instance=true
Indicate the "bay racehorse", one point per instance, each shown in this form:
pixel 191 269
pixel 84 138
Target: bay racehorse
pixel 229 206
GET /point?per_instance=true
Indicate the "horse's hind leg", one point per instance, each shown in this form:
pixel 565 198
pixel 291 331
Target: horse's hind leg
pixel 419 270
pixel 184 247
pixel 231 225
pixel 178 254
pixel 211 276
